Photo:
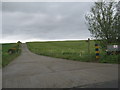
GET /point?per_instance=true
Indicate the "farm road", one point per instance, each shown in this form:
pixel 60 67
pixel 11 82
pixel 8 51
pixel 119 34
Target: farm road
pixel 35 71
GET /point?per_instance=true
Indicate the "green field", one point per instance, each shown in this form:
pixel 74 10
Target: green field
pixel 0 55
pixel 7 58
pixel 72 50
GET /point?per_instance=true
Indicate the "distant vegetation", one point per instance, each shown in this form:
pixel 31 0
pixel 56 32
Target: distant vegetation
pixel 6 57
pixel 72 50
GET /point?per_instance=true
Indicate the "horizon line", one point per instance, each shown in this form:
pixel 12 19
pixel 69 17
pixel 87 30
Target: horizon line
pixel 43 40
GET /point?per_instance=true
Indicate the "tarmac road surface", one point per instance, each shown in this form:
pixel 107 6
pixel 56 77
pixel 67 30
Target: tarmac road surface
pixel 35 71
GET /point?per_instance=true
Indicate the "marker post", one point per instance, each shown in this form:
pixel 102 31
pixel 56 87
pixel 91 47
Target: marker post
pixel 97 51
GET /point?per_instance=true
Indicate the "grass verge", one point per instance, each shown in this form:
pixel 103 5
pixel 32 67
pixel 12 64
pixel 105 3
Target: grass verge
pixel 71 50
pixel 0 55
pixel 7 58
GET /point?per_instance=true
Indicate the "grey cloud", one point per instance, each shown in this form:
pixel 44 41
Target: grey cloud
pixel 46 21
pixel 0 21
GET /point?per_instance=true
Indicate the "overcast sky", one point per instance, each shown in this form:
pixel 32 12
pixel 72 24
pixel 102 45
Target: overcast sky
pixel 44 21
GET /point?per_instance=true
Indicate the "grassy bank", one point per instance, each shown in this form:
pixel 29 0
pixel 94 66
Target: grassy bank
pixel 7 58
pixel 72 50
